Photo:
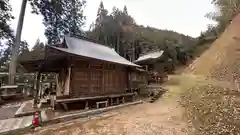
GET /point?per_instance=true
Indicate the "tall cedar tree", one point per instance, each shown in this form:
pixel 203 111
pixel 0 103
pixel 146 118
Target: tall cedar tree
pixel 6 54
pixel 101 27
pixel 38 45
pixel 113 29
pixel 17 43
pixel 6 34
pixel 61 17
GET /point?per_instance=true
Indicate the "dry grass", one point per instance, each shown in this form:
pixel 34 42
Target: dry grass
pixel 222 60
pixel 212 101
pixel 212 109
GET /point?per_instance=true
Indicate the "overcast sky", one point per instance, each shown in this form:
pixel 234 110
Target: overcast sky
pixel 183 16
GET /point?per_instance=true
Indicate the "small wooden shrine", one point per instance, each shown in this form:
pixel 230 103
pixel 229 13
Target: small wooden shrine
pixel 87 72
pixel 154 64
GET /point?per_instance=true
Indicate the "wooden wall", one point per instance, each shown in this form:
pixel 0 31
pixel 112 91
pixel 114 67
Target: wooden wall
pixel 63 82
pixel 95 78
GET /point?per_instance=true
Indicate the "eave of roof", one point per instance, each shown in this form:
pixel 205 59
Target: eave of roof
pixel 149 56
pixel 82 48
pixel 93 50
pixel 32 56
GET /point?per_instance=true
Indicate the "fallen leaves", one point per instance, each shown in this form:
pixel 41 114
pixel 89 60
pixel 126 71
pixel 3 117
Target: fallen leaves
pixel 211 111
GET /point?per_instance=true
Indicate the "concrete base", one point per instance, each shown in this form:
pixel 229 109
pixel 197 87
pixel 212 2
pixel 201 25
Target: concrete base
pixel 82 114
pixel 64 118
pixel 26 109
pixel 15 125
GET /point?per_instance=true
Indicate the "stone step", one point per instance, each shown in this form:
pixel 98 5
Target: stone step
pixel 156 96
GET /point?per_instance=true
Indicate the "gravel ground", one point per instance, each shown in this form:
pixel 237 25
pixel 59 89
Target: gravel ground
pixel 164 117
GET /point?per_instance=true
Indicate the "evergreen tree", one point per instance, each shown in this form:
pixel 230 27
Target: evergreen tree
pixel 226 10
pixel 101 26
pixel 125 10
pixel 74 17
pixel 17 43
pixel 5 18
pixel 101 14
pixel 62 17
pixel 6 53
pixel 113 29
pixel 38 45
pixel 119 30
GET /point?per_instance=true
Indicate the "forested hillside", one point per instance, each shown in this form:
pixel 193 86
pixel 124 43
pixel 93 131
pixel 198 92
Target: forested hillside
pixel 116 28
pixel 119 30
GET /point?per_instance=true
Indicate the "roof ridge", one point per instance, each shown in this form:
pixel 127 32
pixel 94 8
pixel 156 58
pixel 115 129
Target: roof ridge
pixel 151 52
pixel 88 41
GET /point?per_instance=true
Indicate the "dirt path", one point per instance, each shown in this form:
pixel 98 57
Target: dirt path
pixel 164 117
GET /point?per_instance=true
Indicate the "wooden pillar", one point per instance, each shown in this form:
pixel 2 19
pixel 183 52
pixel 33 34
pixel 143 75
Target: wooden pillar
pixel 111 101
pixel 118 100
pixel 133 97
pixel 107 103
pixel 5 91
pixel 103 77
pixel 129 79
pixel 86 105
pixel 114 83
pixel 89 78
pixel 58 81
pixel 36 87
pixel 146 68
pixel 67 82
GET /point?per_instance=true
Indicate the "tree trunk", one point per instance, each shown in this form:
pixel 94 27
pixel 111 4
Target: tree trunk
pixel 134 49
pixel 118 43
pixel 105 40
pixel 36 87
pixel 15 48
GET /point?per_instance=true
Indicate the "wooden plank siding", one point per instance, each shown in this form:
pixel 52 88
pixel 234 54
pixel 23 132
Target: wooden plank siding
pixel 93 78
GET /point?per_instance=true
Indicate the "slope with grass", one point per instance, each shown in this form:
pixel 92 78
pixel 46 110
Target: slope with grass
pixel 210 96
pixel 222 60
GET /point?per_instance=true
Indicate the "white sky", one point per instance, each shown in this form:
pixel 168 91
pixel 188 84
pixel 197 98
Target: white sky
pixel 183 16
